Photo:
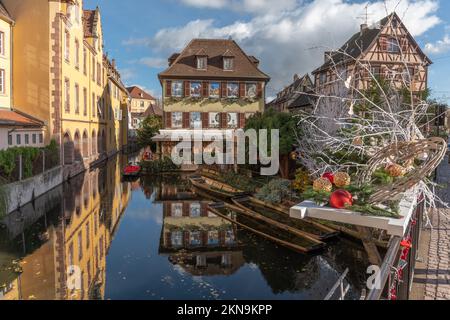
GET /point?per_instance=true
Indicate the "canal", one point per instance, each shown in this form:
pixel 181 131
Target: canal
pixel 97 237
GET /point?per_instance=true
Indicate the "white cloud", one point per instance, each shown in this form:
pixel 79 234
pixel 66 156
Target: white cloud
pixel 206 4
pixel 153 62
pixel 251 6
pixel 440 46
pixel 291 40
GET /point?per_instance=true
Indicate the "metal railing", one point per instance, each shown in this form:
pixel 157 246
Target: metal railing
pixel 339 285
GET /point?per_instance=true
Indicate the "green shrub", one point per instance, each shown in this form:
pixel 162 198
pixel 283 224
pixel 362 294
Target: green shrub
pixel 158 166
pixel 275 191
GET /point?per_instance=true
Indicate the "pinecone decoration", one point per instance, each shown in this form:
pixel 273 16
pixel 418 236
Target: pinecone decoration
pixel 396 170
pixel 322 185
pixel 342 179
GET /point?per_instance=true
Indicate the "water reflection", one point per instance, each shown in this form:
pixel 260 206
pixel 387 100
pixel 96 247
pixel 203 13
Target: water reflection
pixel 153 239
pixel 66 233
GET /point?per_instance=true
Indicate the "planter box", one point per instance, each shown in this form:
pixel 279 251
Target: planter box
pixel 394 227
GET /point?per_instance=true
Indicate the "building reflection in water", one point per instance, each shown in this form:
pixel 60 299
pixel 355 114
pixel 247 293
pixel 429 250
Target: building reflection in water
pixel 66 235
pixel 193 237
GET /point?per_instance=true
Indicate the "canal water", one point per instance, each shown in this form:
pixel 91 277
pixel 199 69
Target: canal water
pixel 97 237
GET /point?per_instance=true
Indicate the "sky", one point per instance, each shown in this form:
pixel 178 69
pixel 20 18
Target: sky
pixel 288 36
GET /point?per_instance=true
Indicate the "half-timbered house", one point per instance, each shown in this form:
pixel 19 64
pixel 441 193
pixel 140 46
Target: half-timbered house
pixel 386 50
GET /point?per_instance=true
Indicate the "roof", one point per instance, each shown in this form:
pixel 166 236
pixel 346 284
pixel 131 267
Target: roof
pixel 89 22
pixel 153 110
pixel 215 49
pixel 138 93
pixel 16 118
pixel 296 84
pixel 360 42
pixel 4 14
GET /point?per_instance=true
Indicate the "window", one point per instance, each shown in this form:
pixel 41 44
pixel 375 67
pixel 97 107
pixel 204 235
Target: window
pixel 213 237
pixel 99 74
pixel 41 138
pixel 85 102
pixel 232 90
pixel 99 107
pixel 27 138
pixel 195 210
pixel 196 120
pixel 34 138
pixel 177 210
pixel 202 63
pixel 84 61
pixel 10 140
pixel 88 235
pixel 142 104
pixel 93 105
pixel 232 120
pixel 196 89
pixel 214 120
pixel 196 238
pixel 228 64
pixel 67 46
pixel 18 139
pixel 393 45
pixel 176 238
pixel 177 89
pixel 177 119
pixel 93 69
pixel 80 245
pixel 322 78
pixel 77 54
pixel 77 98
pixel 67 94
pixel 251 90
pixel 214 90
pixel 2 43
pixel 2 81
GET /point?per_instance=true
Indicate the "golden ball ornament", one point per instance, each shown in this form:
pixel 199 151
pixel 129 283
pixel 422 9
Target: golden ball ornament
pixel 396 170
pixel 322 185
pixel 342 179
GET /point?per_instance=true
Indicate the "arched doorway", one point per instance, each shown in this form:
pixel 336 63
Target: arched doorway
pixel 77 147
pixel 85 144
pixel 94 143
pixel 68 149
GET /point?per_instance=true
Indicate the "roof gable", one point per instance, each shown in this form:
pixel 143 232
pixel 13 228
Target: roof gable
pixel 137 93
pixel 215 49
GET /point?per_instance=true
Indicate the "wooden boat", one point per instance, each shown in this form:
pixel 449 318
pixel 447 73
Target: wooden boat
pixel 214 187
pixel 272 233
pixel 273 216
pixel 284 211
pixel 131 171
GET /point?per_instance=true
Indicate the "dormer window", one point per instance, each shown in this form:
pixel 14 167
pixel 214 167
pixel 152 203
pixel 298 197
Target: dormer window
pixel 202 63
pixel 228 64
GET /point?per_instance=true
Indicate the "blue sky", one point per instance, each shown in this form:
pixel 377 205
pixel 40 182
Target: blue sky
pixel 288 36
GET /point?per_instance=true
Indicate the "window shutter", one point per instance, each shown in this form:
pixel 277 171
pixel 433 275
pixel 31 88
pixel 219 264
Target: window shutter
pixel 205 118
pixel 204 235
pixel 242 120
pixel 186 120
pixel 186 236
pixel 224 89
pixel 223 120
pixel 187 88
pixel 168 88
pixel 205 87
pixel 186 210
pixel 168 239
pixel 242 90
pixel 204 211
pixel 168 120
pixel 260 90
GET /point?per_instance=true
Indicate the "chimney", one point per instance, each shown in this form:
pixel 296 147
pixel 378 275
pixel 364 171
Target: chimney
pixel 364 27
pixel 296 77
pixel 113 63
pixel 327 56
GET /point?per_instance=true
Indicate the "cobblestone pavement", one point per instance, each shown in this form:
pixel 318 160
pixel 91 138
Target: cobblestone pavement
pixel 437 280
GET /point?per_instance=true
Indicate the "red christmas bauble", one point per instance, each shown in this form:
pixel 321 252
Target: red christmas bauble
pixel 340 199
pixel 329 176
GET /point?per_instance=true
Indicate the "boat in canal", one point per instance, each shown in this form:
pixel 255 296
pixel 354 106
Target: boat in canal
pixel 131 171
pixel 216 188
pixel 256 207
pixel 275 232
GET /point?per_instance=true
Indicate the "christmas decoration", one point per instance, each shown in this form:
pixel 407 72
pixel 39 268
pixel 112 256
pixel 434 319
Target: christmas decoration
pixel 342 179
pixel 396 170
pixel 341 199
pixel 302 180
pixel 322 185
pixel 329 176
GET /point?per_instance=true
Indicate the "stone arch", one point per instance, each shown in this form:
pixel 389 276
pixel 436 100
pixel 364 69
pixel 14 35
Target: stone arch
pixel 68 148
pixel 85 144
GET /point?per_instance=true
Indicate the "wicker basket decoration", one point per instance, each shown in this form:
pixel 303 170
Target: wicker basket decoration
pixel 426 155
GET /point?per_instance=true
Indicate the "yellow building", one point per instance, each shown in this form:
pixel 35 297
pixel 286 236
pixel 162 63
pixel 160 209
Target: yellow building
pixel 16 128
pixel 63 78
